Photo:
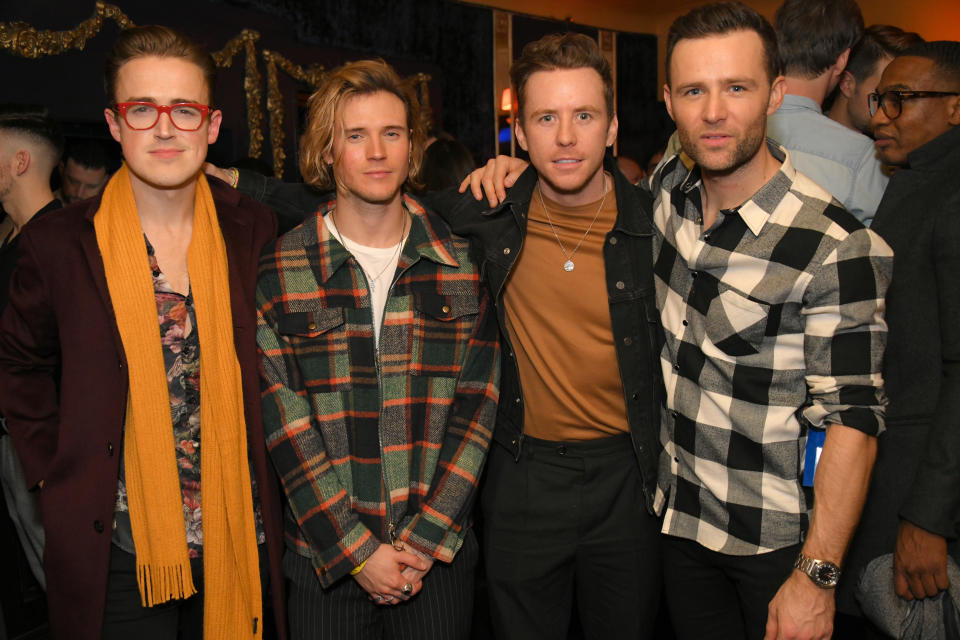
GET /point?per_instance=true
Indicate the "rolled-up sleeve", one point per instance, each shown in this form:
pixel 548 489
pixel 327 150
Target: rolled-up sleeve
pixel 845 334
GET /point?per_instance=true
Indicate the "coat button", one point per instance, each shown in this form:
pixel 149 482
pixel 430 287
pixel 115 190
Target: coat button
pixel 628 341
pixel 613 240
pixel 506 251
pixel 98 526
pixel 620 285
pixel 109 448
pixel 445 308
pixel 312 326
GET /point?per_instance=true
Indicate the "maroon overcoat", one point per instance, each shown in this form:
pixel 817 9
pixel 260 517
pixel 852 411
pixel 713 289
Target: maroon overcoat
pixel 63 390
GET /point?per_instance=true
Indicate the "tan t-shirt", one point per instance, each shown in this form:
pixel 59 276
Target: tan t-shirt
pixel 559 326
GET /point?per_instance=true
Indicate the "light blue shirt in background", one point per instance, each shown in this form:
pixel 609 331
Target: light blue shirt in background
pixel 841 160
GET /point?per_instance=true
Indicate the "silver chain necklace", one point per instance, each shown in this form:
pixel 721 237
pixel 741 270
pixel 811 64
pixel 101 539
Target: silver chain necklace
pixel 568 265
pixel 393 261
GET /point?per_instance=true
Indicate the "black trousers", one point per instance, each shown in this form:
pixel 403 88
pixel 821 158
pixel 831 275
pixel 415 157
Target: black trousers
pixel 714 595
pixel 125 617
pixel 441 611
pixel 568 523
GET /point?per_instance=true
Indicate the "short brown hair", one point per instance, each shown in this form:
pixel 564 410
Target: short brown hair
pixel 561 51
pixel 811 34
pixel 721 18
pixel 155 41
pixel 352 79
pixel 878 41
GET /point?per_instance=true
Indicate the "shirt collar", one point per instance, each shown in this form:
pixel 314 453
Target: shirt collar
pixel 428 239
pixel 756 210
pixel 792 101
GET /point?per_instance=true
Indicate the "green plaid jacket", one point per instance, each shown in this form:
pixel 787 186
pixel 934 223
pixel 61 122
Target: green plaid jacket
pixel 371 446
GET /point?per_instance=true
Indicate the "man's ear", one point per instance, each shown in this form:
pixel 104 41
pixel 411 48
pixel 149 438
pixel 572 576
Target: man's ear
pixel 521 136
pixel 668 101
pixel 213 130
pixel 954 118
pixel 848 84
pixel 838 68
pixel 777 91
pixel 111 117
pixel 21 161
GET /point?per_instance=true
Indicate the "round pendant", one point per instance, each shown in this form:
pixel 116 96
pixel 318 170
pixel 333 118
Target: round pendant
pixel 568 265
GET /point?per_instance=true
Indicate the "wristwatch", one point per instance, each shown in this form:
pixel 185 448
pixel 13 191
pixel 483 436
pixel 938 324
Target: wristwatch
pixel 824 574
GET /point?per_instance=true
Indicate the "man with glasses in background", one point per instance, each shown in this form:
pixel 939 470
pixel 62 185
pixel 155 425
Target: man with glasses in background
pixel 913 508
pixel 116 304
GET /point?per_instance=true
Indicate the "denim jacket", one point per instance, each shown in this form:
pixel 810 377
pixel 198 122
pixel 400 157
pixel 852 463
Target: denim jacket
pixel 497 236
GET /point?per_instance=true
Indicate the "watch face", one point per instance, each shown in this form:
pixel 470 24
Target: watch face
pixel 827 574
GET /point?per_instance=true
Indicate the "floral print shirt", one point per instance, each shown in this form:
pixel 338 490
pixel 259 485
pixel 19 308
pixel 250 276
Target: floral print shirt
pixel 181 357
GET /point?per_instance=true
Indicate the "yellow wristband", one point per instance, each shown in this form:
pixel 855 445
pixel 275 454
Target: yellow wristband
pixel 357 569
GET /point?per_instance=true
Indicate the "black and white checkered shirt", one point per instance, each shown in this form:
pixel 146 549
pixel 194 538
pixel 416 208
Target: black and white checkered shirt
pixel 774 321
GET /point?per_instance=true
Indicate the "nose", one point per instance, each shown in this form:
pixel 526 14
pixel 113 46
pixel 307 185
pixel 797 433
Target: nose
pixel 164 127
pixel 715 108
pixel 878 118
pixel 376 149
pixel 566 134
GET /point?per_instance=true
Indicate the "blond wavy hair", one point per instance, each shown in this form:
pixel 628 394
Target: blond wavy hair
pixel 352 79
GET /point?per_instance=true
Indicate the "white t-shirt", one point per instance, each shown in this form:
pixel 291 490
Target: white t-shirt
pixel 379 266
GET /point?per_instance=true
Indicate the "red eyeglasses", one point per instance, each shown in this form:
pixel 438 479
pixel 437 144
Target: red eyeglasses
pixel 186 116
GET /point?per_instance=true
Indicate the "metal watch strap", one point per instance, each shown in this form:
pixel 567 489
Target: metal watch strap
pixel 824 574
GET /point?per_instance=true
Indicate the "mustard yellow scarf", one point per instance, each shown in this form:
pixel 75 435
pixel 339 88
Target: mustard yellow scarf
pixel 232 601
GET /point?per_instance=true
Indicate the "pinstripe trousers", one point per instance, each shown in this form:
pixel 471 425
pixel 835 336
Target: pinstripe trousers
pixel 441 611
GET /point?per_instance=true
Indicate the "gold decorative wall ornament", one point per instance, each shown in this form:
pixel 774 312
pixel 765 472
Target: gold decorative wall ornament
pixel 247 39
pixel 312 75
pixel 21 39
pixel 24 40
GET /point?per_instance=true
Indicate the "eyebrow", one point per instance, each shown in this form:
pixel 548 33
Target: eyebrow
pixel 389 127
pixel 896 87
pixel 155 101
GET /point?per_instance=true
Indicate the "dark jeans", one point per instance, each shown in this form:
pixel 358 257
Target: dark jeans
pixel 441 611
pixel 714 595
pixel 568 523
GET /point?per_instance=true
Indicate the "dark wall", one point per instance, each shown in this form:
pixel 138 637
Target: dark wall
pixel 451 42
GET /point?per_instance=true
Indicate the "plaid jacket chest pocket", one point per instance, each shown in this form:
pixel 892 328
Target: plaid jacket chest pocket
pixel 736 324
pixel 320 342
pixel 442 326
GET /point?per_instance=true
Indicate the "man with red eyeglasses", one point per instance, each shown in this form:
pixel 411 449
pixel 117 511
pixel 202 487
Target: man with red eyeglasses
pixel 128 375
pixel 913 508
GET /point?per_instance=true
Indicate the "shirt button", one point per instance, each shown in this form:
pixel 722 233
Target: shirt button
pixel 676 367
pixel 98 526
pixel 613 240
pixel 620 285
pixel 445 308
pixel 109 448
pixel 685 323
pixel 506 251
pixel 516 400
pixel 628 341
pixel 706 237
pixel 693 274
pixel 636 395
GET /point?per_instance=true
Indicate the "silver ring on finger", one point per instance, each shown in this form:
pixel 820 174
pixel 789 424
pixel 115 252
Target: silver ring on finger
pixel 407 589
pixel 379 598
